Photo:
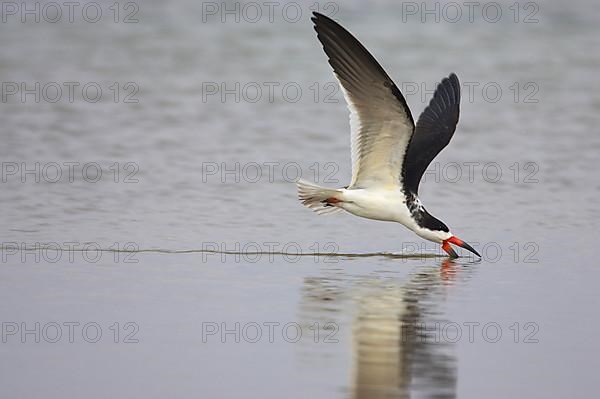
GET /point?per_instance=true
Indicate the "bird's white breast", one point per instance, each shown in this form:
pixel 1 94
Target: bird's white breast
pixel 387 205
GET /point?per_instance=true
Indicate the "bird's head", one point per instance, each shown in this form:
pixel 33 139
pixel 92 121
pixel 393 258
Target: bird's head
pixel 435 230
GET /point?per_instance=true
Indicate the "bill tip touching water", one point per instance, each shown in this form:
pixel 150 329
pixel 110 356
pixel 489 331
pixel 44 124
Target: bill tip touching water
pixel 389 151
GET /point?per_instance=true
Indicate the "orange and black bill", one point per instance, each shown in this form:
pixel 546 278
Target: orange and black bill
pixel 456 241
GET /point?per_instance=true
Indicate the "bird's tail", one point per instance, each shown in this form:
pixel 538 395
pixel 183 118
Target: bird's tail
pixel 320 199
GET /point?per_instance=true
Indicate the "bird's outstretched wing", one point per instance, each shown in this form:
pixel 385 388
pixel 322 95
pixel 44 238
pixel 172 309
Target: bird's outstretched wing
pixel 435 128
pixel 380 120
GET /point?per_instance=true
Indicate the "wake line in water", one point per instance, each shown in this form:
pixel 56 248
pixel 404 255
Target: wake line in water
pixel 12 249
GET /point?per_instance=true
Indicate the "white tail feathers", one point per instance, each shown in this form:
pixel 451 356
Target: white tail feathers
pixel 315 197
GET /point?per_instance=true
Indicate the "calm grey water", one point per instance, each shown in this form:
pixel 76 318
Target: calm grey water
pixel 194 144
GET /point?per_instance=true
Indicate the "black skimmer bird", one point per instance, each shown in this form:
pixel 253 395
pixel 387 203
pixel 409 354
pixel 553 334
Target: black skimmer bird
pixel 389 153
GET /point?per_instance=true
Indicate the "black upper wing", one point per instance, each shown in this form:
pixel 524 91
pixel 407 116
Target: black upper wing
pixel 433 132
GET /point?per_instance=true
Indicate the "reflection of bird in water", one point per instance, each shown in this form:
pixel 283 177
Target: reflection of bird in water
pixel 394 351
pixel 380 366
pixel 394 354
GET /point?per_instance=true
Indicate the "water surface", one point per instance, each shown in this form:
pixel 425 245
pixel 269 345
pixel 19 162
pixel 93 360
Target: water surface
pixel 179 179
